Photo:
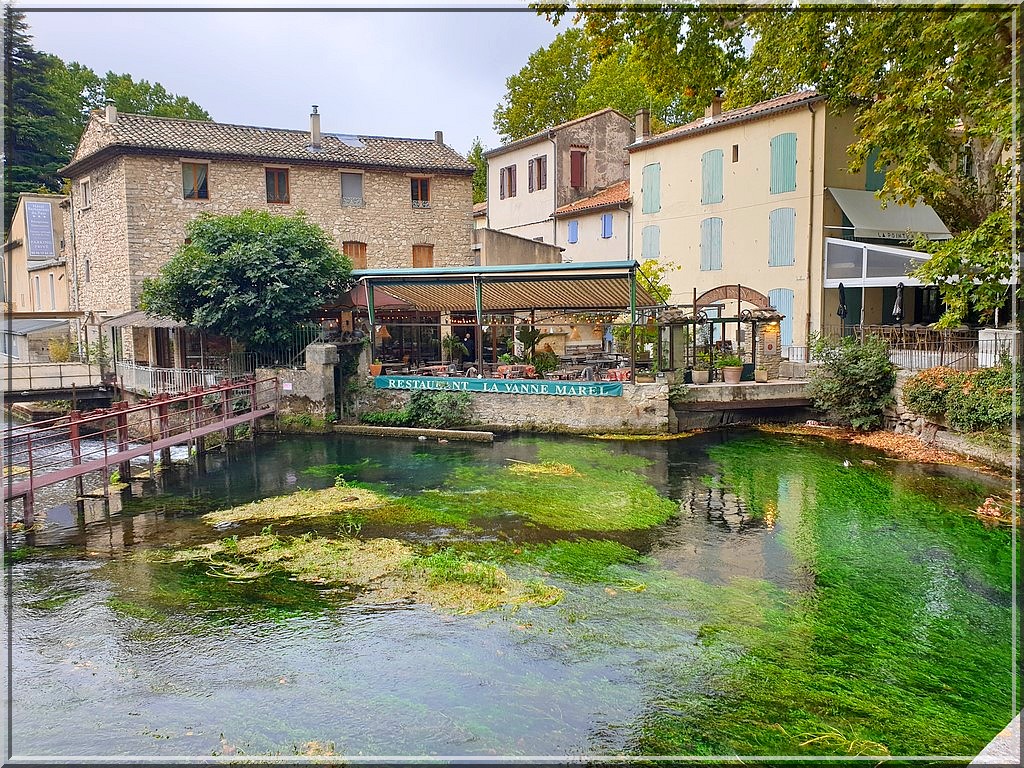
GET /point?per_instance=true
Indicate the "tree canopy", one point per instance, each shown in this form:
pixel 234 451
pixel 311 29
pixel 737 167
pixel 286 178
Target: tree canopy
pixel 930 92
pixel 47 103
pixel 476 157
pixel 251 276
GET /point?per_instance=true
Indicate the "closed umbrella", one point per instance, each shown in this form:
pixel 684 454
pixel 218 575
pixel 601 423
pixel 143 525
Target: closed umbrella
pixel 897 307
pixel 842 306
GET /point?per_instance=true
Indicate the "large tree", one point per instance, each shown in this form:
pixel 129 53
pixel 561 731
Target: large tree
pixel 476 157
pixel 930 91
pixel 250 276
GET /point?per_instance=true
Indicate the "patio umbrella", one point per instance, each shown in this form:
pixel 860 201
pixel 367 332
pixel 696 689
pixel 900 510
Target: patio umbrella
pixel 897 307
pixel 842 302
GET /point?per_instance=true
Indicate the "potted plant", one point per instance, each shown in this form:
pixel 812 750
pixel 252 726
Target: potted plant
pixel 701 373
pixel 732 368
pixel 761 374
pixel 376 367
pixel 453 348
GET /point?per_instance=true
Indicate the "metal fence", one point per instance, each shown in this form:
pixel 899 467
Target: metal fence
pixel 147 380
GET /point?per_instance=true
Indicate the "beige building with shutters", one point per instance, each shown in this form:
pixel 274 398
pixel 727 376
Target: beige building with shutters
pixel 762 196
pixel 136 181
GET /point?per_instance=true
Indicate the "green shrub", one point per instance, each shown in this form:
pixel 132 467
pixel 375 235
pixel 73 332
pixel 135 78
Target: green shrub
pixel 439 410
pixel 544 362
pixel 854 381
pixel 971 401
pixel 386 418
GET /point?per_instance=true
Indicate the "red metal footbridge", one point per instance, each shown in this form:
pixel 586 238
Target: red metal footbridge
pixel 47 452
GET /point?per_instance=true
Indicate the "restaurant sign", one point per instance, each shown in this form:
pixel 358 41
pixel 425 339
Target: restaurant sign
pixel 501 386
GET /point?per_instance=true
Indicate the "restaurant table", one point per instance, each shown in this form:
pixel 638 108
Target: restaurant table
pixel 516 371
pixel 617 374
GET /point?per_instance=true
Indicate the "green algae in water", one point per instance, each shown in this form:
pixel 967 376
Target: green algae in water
pixel 898 647
pixel 347 470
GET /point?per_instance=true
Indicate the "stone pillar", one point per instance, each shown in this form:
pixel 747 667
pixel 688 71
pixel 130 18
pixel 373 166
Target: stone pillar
pixel 769 354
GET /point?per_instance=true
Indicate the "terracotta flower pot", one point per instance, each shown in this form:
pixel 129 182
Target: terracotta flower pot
pixel 732 374
pixel 376 368
pixel 701 377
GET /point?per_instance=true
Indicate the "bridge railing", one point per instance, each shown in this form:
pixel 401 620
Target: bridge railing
pixel 26 376
pixel 147 380
pixel 38 454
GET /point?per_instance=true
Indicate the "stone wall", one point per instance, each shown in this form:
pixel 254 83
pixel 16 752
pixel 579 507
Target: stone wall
pixel 642 408
pixel 902 420
pixel 498 248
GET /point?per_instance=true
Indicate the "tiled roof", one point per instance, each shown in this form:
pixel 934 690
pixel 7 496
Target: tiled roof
pixel 544 134
pixel 160 135
pixel 480 209
pixel 617 194
pixel 731 117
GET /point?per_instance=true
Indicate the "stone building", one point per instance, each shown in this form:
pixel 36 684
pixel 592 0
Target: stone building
pixel 33 277
pixel 136 181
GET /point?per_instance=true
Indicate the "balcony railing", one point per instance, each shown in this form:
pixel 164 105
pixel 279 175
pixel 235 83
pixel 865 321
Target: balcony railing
pixel 147 380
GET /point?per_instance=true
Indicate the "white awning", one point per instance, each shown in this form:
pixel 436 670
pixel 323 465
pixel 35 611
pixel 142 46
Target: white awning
pixel 894 222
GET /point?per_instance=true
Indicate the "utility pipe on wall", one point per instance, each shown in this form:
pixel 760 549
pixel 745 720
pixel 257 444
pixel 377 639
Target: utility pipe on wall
pixel 810 225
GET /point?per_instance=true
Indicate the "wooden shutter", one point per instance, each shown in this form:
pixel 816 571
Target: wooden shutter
pixel 783 164
pixel 423 255
pixel 512 183
pixel 711 176
pixel 651 188
pixel 782 300
pixel 543 184
pixel 606 225
pixel 711 244
pixel 574 231
pixel 531 171
pixel 650 242
pixel 501 183
pixel 577 160
pixel 782 237
pixel 356 253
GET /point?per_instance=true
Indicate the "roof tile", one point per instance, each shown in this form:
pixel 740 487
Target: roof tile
pixel 613 195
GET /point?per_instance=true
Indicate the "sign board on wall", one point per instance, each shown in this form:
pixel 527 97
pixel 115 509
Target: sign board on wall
pixel 39 227
pixel 501 386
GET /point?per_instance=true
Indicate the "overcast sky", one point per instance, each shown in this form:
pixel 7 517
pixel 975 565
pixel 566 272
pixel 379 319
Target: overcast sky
pixel 386 73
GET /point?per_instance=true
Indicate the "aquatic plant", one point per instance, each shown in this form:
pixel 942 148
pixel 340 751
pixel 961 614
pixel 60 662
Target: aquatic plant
pixel 299 505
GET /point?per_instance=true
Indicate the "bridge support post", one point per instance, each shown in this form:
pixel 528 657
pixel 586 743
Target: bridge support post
pixel 252 408
pixel 225 412
pixel 125 468
pixel 197 412
pixel 163 411
pixel 74 431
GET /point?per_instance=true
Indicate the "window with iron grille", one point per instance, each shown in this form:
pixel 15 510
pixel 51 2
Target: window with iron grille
pixel 277 185
pixel 352 189
pixel 420 193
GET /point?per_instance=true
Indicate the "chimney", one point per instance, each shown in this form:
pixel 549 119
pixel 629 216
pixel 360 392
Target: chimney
pixel 643 124
pixel 439 137
pixel 314 128
pixel 714 109
pixel 111 112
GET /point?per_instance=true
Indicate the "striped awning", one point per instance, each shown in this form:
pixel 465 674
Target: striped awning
pixel 571 287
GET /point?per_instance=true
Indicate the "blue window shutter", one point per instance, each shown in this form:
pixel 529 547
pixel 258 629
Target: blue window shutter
pixel 651 191
pixel 650 246
pixel 782 237
pixel 874 180
pixel 711 244
pixel 783 166
pixel 782 300
pixel 574 231
pixel 711 176
pixel 606 225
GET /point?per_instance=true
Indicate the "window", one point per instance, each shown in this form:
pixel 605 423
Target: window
pixel 88 271
pixel 574 231
pixel 85 187
pixel 420 193
pixel 874 179
pixel 39 296
pixel 783 164
pixel 356 253
pixel 711 244
pixel 577 168
pixel 352 189
pixel 507 180
pixel 277 185
pixel 194 181
pixel 10 347
pixel 650 190
pixel 782 237
pixel 650 242
pixel 782 300
pixel 711 177
pixel 735 153
pixel 53 292
pixel 423 255
pixel 606 225
pixel 538 173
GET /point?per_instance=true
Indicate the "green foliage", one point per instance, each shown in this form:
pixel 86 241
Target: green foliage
pixel 251 276
pixel 305 422
pixel 703 362
pixel 971 401
pixel 453 347
pixel 544 362
pixel 729 361
pixel 439 410
pixel 386 418
pixel 476 157
pixel 854 380
pixel 61 349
